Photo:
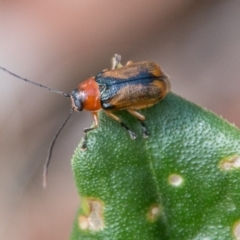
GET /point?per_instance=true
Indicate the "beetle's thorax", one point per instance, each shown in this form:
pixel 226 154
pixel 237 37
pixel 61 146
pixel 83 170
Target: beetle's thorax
pixel 86 96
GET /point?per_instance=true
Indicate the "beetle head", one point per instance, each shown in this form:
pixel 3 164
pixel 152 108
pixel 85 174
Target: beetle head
pixel 77 100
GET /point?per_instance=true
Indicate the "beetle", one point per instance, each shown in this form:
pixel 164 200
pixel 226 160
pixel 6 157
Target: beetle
pixel 131 87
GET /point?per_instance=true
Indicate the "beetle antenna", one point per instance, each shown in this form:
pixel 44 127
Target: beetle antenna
pixel 45 167
pixel 37 84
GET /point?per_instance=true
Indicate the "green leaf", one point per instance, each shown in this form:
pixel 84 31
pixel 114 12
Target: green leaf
pixel 183 182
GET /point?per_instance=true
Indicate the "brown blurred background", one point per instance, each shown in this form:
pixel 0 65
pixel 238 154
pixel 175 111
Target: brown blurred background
pixel 59 44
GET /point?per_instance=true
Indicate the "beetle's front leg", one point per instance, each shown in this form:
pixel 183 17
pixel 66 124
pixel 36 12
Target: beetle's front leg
pixel 131 133
pixel 86 130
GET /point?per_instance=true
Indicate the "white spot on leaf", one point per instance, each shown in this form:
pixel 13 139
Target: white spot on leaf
pixel 230 163
pixel 93 219
pixel 83 222
pixel 236 230
pixel 154 212
pixel 175 180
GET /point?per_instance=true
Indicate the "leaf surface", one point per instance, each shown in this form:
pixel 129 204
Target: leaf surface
pixel 183 182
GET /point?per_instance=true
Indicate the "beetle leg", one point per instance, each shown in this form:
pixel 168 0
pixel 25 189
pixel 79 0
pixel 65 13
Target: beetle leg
pixel 116 61
pixel 141 119
pixel 131 133
pixel 86 130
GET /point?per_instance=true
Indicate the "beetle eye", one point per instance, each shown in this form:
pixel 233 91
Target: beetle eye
pixel 76 100
pixel 78 105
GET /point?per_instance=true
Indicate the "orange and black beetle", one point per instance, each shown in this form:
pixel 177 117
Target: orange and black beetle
pixel 130 87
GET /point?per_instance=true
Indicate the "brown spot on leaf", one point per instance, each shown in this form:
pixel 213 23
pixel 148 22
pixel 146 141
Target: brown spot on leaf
pixel 92 218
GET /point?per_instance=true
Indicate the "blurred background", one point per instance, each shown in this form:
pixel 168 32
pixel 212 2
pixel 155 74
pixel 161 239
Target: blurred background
pixel 61 43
